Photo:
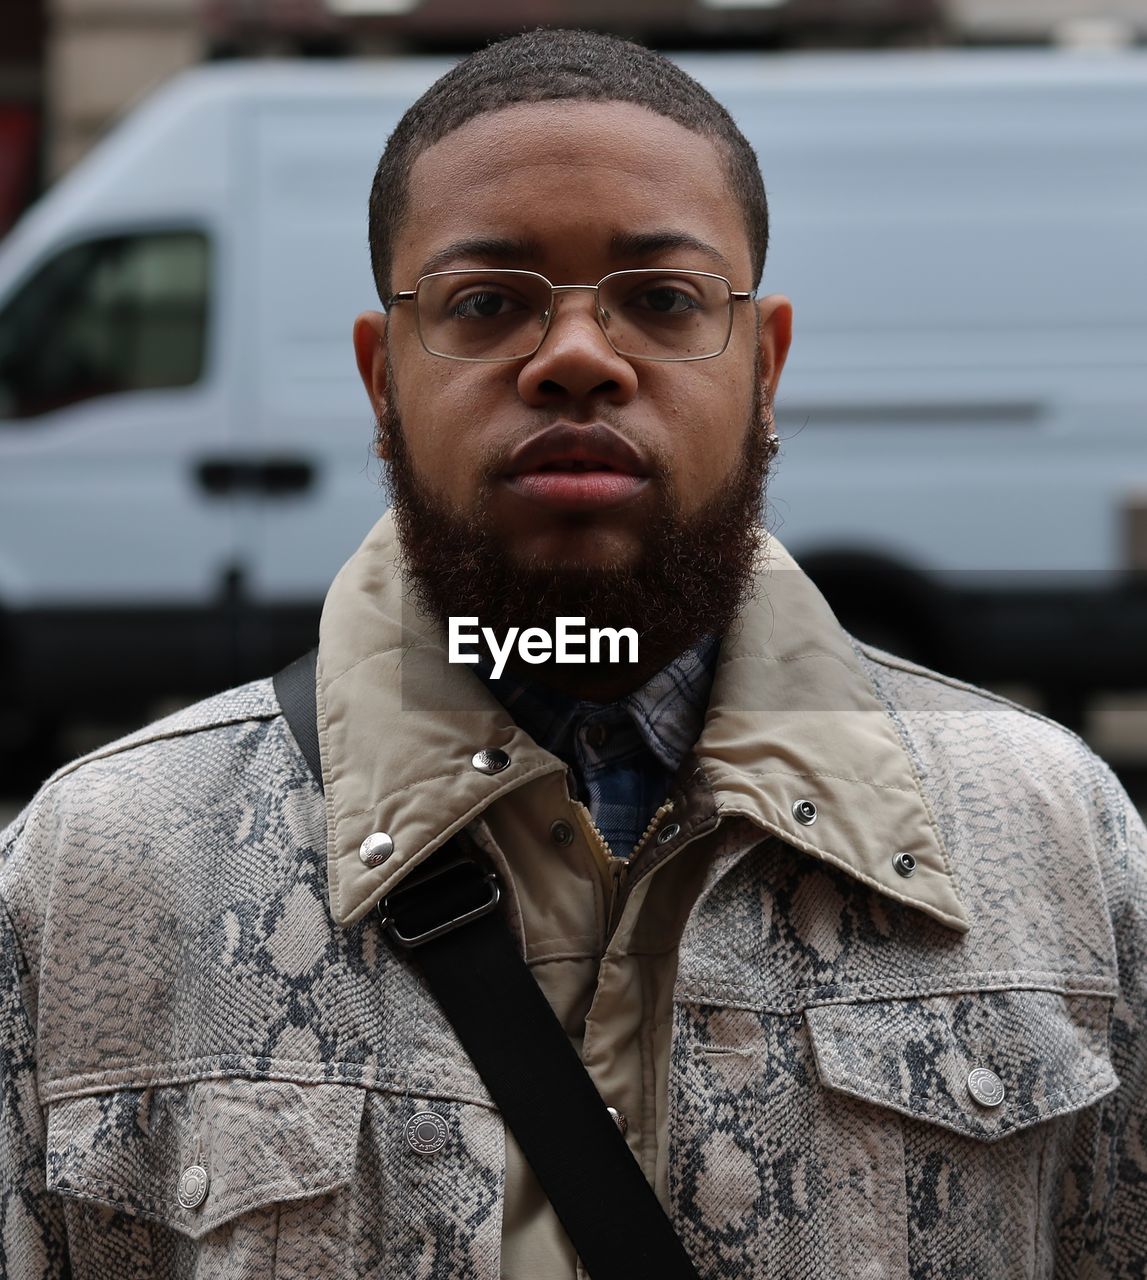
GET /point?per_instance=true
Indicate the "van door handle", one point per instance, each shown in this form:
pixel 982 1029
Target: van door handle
pixel 259 477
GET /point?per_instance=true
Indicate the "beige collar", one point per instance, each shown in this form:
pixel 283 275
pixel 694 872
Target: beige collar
pixel 792 718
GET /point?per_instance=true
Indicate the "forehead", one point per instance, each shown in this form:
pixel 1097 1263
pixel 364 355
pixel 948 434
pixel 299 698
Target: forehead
pixel 569 178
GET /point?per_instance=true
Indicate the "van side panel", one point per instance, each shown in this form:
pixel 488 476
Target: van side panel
pixel 313 164
pixel 967 386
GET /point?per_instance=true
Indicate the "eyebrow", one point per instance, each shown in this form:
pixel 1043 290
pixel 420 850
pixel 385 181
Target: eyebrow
pixel 643 244
pixel 498 248
pixel 623 245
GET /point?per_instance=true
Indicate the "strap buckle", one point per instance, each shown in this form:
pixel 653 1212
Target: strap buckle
pixel 412 913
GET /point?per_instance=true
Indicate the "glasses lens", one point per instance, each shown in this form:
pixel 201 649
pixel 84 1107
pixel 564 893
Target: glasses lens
pixel 666 315
pixel 482 315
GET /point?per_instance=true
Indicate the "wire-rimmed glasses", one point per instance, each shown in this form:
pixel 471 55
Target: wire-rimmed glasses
pixel 496 314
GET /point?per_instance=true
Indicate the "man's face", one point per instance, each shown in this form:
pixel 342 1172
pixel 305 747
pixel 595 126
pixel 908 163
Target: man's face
pixel 572 190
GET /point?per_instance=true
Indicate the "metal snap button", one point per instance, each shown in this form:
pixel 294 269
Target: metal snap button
pixel 905 864
pixel 561 833
pixel 597 735
pixel 618 1119
pixel 490 760
pixel 986 1087
pixel 426 1132
pixel 669 832
pixel 375 849
pixel 193 1186
pixel 805 812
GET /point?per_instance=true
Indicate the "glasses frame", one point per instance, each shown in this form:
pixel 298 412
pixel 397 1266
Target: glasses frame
pixel 411 295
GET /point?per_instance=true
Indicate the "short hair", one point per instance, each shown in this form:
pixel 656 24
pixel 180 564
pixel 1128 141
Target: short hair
pixel 543 66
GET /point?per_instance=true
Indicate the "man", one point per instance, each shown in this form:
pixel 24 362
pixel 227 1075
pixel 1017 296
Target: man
pixel 855 952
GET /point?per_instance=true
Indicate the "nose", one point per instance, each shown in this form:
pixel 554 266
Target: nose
pixel 575 360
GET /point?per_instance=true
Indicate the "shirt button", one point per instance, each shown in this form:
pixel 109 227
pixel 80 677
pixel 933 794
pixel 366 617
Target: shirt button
pixel 491 760
pixel 986 1087
pixel 905 865
pixel 426 1132
pixel 193 1185
pixel 561 833
pixel 597 735
pixel 375 849
pixel 805 812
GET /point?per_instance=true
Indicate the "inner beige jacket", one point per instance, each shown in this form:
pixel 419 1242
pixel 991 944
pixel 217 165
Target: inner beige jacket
pixel 791 718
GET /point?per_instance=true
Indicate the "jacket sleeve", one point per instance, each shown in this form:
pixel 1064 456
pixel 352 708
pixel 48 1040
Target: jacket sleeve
pixel 1118 1238
pixel 33 1239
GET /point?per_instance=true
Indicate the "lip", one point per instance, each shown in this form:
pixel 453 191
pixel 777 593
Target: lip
pixel 576 467
pixel 594 443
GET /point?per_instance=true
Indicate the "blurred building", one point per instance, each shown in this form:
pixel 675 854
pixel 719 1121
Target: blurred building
pixel 438 24
pixel 76 65
pixel 21 104
pixel 1074 22
pixel 103 55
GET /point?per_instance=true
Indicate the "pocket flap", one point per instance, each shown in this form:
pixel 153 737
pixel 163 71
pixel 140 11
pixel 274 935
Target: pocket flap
pixel 1049 1052
pixel 259 1141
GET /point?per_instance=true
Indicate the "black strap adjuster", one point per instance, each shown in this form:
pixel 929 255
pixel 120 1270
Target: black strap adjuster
pixel 438 898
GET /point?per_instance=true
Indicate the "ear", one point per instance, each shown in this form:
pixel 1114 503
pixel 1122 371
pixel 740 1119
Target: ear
pixel 776 334
pixel 370 355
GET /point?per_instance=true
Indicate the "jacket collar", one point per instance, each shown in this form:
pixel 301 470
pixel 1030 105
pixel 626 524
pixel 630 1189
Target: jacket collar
pixel 791 718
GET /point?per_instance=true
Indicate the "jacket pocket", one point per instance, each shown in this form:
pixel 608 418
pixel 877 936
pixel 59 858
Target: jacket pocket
pixel 217 1178
pixel 999 1136
pixel 844 1140
pixel 984 1063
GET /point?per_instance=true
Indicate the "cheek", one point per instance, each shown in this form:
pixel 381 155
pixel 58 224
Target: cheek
pixel 446 417
pixel 708 434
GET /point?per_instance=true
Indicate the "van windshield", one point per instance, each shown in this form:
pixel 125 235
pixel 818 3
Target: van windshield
pixel 121 313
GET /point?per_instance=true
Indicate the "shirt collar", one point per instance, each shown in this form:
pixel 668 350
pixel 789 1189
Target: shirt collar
pixel 791 718
pixel 667 711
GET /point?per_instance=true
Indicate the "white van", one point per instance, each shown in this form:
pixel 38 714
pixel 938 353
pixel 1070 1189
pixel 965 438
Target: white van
pixel 185 445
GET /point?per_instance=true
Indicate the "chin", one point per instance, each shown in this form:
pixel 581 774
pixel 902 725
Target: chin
pixel 576 550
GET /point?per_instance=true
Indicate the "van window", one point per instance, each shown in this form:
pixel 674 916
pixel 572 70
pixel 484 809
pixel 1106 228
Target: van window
pixel 122 313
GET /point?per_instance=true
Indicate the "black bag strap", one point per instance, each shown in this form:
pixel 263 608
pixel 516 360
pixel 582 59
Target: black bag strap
pixel 295 689
pixel 445 914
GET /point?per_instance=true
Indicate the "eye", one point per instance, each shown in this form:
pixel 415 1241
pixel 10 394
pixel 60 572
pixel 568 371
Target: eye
pixel 485 304
pixel 664 299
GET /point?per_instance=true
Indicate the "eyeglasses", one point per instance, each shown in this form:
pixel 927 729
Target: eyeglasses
pixel 653 314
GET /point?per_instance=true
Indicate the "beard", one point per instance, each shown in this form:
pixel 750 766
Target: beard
pixel 694 575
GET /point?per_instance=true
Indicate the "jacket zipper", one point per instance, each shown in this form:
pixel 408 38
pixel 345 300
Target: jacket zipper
pixel 616 871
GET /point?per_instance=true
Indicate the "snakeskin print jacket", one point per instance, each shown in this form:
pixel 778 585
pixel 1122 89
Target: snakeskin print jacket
pixel 838 1061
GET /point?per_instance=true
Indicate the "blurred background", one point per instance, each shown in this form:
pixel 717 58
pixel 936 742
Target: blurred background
pixel 958 199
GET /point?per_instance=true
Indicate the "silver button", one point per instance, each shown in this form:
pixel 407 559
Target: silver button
pixel 561 833
pixel 986 1087
pixel 490 760
pixel 426 1132
pixel 193 1185
pixel 905 864
pixel 618 1119
pixel 668 833
pixel 375 849
pixel 805 812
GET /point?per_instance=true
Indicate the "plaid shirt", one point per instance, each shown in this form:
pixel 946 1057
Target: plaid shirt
pixel 623 754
